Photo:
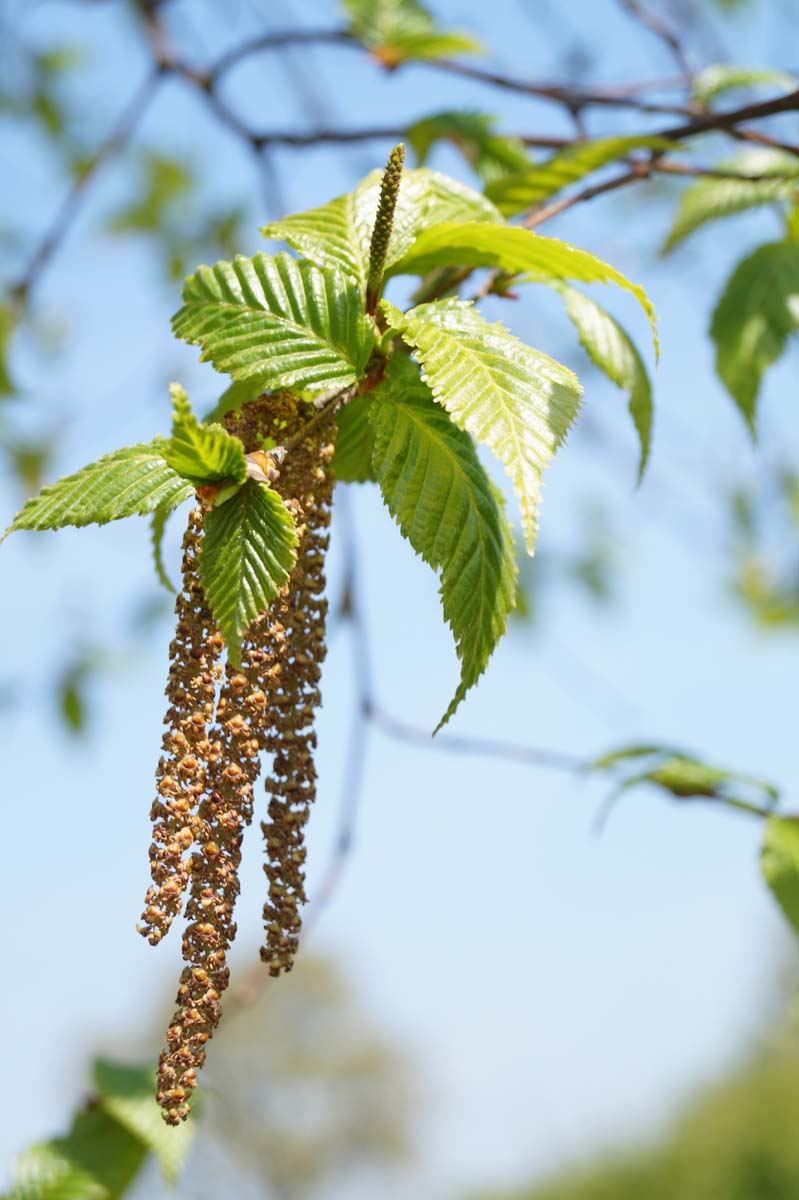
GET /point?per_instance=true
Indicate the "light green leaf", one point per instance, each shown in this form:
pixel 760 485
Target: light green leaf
pixel 247 554
pixel 757 312
pixel 283 322
pixel 444 503
pixel 352 461
pixel 492 155
pixel 610 348
pixel 133 481
pixel 724 77
pixel 519 251
pixel 203 454
pixel 537 182
pixel 128 1095
pixel 517 401
pixel 711 198
pixel 779 861
pixel 398 30
pixel 339 234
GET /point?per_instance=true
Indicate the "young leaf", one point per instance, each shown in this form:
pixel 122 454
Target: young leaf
pixel 398 30
pixel 492 155
pixel 203 454
pixel 758 310
pixel 278 320
pixel 247 555
pixel 541 259
pixel 711 199
pixel 779 860
pixel 724 77
pixel 128 1095
pixel 352 461
pixel 133 481
pixel 610 348
pixel 536 182
pixel 517 401
pixel 440 496
pixel 338 234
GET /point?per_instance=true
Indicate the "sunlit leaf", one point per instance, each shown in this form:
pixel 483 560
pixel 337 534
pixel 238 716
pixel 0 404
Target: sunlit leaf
pixel 514 399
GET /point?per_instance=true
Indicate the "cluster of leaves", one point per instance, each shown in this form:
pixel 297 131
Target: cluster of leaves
pixel 419 388
pixel 396 31
pixel 110 1140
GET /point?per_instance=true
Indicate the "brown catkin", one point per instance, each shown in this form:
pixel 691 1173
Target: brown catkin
pixel 292 639
pixel 189 746
pixel 268 704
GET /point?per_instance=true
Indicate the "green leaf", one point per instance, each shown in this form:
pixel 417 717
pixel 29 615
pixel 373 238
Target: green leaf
pixel 352 462
pixel 163 182
pixel 128 1095
pixel 711 198
pixel 338 234
pixel 516 400
pixel 758 310
pixel 283 322
pixel 157 527
pixel 246 557
pixel 537 182
pixel 541 259
pixel 491 155
pixel 96 1160
pixel 133 481
pixel 444 503
pixel 610 348
pixel 399 30
pixel 7 325
pixel 724 77
pixel 203 454
pixel 779 861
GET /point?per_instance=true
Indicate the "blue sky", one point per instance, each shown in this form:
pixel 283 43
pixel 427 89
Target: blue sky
pixel 556 989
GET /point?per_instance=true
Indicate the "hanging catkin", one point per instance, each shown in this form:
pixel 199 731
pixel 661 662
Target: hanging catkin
pixel 189 749
pixel 269 704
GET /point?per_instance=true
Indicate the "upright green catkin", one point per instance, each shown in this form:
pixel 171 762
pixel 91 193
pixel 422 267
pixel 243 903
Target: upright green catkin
pixel 384 223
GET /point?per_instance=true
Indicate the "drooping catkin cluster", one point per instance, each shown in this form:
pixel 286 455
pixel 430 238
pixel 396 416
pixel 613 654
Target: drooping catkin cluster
pixel 268 704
